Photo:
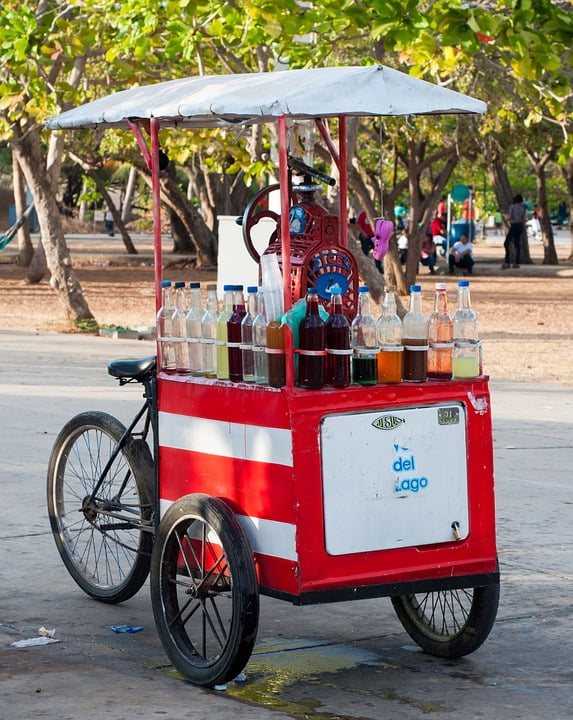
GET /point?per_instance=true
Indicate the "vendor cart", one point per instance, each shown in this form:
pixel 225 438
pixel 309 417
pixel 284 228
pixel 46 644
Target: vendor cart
pixel 307 496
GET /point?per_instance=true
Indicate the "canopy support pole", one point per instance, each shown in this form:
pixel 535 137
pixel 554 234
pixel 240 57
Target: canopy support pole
pixel 156 194
pixel 343 180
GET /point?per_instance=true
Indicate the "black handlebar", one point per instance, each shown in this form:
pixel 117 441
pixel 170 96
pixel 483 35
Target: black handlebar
pixel 296 164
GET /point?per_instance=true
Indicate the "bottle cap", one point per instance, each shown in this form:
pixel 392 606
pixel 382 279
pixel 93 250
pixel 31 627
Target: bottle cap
pixel 166 283
pixel 440 286
pixel 335 290
pixel 238 287
pixel 252 288
pixel 390 288
pixel 179 284
pixel 363 288
pixel 228 288
pixel 212 287
pixel 415 288
pixel 464 283
pixel 194 285
pixel 312 291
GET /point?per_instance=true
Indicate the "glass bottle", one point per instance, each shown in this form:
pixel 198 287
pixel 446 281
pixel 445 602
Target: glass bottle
pixel 311 353
pixel 221 342
pixel 165 344
pixel 209 333
pixel 234 335
pixel 193 321
pixel 466 360
pixel 247 355
pixel 415 339
pixel 389 338
pixel 440 337
pixel 275 351
pixel 363 340
pixel 260 341
pixel 180 329
pixel 337 342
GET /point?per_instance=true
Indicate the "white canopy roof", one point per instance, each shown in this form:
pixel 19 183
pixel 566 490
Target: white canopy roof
pixel 220 100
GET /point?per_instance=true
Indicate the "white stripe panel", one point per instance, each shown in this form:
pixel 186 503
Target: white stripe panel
pixel 267 537
pixel 218 437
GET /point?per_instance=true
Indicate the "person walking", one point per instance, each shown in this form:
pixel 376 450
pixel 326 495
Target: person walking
pixel 516 216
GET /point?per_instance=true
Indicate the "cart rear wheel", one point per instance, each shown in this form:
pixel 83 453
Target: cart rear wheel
pixel 204 590
pixel 449 623
pixel 100 537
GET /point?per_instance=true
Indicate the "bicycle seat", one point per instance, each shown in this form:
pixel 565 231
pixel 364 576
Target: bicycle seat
pixel 130 369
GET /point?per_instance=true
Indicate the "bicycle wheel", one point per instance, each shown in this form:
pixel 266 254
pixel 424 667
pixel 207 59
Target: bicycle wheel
pixel 100 538
pixel 204 590
pixel 449 623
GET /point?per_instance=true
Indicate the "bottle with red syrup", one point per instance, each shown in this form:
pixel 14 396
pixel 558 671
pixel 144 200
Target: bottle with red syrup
pixel 440 337
pixel 338 350
pixel 311 339
pixel 415 339
pixel 234 335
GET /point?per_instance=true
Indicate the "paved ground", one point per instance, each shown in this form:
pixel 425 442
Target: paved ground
pixel 347 661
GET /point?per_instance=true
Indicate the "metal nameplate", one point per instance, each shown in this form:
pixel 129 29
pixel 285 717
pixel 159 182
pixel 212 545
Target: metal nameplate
pixel 448 416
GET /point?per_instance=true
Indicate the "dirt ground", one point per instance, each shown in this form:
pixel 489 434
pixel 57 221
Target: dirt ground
pixel 525 315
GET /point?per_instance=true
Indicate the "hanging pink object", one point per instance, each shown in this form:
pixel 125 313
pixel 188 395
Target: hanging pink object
pixel 382 232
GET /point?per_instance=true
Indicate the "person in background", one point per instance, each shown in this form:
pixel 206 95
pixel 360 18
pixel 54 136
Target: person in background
pixel 108 221
pixel 461 255
pixel 438 232
pixel 442 210
pixel 401 217
pixel 403 246
pixel 516 216
pixel 428 252
pixel 366 237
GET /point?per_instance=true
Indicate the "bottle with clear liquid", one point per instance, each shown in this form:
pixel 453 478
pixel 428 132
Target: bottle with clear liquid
pixel 247 353
pixel 221 342
pixel 260 341
pixel 234 324
pixel 180 329
pixel 338 347
pixel 389 338
pixel 311 339
pixel 193 321
pixel 165 344
pixel 440 337
pixel 466 360
pixel 415 339
pixel 209 333
pixel 363 341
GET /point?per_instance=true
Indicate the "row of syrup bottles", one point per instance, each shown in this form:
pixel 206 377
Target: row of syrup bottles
pixel 229 344
pixel 241 344
pixel 389 350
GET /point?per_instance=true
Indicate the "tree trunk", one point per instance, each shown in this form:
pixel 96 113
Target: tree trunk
pixel 63 278
pixel 203 241
pixel 568 175
pixel 25 247
pixel 539 163
pixel 501 186
pixel 101 188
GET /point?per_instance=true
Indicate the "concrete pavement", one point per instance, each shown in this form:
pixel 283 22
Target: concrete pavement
pixel 345 660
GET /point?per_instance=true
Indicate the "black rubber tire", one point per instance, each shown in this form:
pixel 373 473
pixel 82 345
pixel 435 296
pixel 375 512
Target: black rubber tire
pixel 449 623
pixel 205 596
pixel 109 558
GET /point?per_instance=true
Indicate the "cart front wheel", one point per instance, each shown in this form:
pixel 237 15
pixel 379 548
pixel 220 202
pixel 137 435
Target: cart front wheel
pixel 449 623
pixel 204 590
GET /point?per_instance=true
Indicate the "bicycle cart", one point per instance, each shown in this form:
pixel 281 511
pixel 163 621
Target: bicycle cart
pixel 307 496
